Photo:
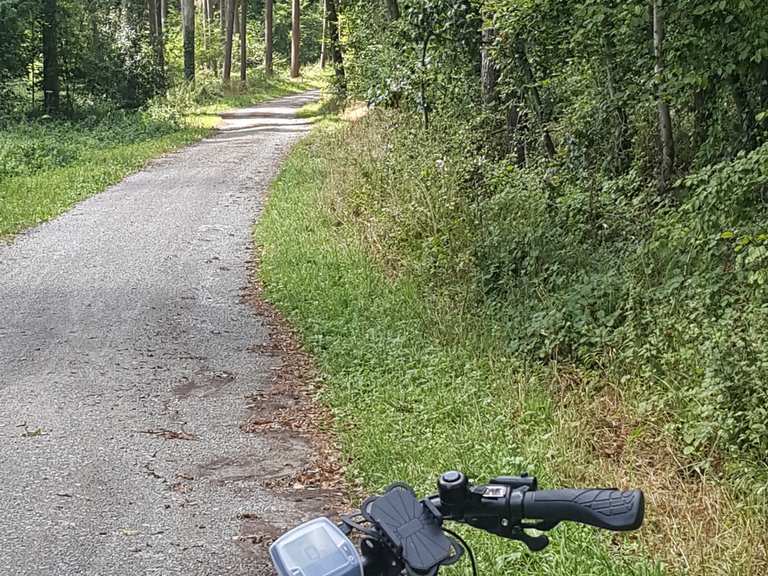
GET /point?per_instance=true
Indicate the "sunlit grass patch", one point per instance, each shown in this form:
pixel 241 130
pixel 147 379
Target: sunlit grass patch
pixel 46 166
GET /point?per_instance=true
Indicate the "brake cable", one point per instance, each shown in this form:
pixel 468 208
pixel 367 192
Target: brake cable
pixel 466 546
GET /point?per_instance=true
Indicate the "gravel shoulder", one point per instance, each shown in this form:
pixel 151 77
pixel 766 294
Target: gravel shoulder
pixel 129 358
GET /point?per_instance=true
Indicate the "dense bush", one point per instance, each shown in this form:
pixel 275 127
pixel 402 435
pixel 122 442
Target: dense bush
pixel 668 298
pixel 37 146
pixel 527 173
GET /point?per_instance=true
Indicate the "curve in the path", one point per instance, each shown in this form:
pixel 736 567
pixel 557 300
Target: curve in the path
pixel 125 368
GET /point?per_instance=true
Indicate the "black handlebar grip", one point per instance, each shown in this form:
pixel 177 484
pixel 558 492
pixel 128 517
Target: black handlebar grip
pixel 609 509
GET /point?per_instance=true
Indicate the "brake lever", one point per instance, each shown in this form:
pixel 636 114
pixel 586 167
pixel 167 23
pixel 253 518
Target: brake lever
pixel 534 543
pixel 513 532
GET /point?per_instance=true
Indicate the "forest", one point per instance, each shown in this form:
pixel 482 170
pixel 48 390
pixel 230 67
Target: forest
pixel 560 203
pixel 65 58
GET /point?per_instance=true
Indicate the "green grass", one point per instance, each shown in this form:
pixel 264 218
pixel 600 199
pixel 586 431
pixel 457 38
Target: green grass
pixel 27 199
pixel 47 166
pixel 409 405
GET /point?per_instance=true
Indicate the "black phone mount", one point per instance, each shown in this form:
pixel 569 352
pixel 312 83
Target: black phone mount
pixel 408 533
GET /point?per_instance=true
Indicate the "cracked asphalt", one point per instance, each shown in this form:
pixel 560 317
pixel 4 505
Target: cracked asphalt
pixel 127 360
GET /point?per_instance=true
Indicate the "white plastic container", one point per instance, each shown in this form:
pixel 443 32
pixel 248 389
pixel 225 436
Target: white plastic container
pixel 316 548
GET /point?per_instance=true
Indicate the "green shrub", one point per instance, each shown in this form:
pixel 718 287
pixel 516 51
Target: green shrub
pixel 669 294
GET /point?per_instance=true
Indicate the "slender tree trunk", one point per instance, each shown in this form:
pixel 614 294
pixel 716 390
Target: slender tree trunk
pixel 338 58
pixel 702 116
pixel 423 101
pixel 295 38
pixel 230 9
pixel 268 27
pixel 222 34
pixel 206 17
pixel 489 71
pixel 393 10
pixel 665 117
pixel 188 32
pixel 515 126
pixel 764 86
pixel 155 17
pixel 236 26
pixel 745 109
pixel 623 143
pixel 243 39
pixel 50 58
pixel 535 98
pixel 151 6
pixel 323 44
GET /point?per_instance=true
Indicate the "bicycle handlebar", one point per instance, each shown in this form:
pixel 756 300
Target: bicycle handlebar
pixel 403 534
pixel 602 508
pixel 507 504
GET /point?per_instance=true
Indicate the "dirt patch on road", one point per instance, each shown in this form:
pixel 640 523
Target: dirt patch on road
pixel 290 407
pixel 291 404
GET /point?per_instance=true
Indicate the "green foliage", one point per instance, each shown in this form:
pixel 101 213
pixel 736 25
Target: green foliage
pixel 422 61
pixel 600 276
pixel 696 312
pixel 47 165
pixel 108 58
pixel 566 246
pixel 409 404
pixel 16 17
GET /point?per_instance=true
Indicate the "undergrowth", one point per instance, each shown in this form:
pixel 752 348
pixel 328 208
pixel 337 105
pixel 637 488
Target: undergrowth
pixel 370 248
pixel 408 405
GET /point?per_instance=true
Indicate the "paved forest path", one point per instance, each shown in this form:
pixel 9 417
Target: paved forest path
pixel 127 355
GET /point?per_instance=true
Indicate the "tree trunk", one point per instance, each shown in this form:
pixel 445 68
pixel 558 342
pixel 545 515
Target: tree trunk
pixel 323 43
pixel 702 116
pixel 295 38
pixel 764 86
pixel 338 58
pixel 151 6
pixel 223 19
pixel 243 39
pixel 515 126
pixel 50 58
pixel 423 102
pixel 623 138
pixel 268 25
pixel 204 22
pixel 393 10
pixel 236 25
pixel 155 17
pixel 188 32
pixel 665 118
pixel 535 98
pixel 745 109
pixel 230 26
pixel 489 71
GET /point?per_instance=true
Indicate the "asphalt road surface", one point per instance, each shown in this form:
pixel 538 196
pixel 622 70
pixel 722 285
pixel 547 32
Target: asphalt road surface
pixel 127 355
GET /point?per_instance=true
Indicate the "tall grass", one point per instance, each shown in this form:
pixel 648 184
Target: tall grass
pixel 409 405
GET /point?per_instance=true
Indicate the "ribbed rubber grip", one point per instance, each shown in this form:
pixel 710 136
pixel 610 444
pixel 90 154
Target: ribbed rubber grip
pixel 609 509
